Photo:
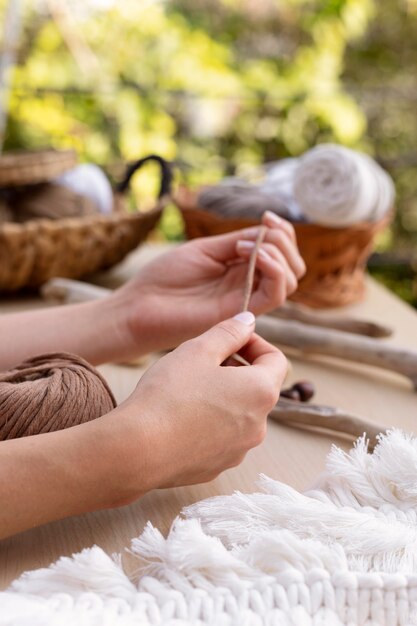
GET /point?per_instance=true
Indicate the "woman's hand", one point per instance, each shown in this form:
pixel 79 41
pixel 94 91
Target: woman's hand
pixel 187 290
pixel 194 417
pixel 189 419
pixel 175 297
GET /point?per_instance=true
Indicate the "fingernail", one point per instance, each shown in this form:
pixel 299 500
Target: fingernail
pixel 246 317
pixel 263 254
pixel 245 245
pixel 250 232
pixel 273 217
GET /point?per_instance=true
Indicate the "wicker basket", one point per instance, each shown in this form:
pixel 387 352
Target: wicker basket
pixel 35 251
pixel 33 167
pixel 335 257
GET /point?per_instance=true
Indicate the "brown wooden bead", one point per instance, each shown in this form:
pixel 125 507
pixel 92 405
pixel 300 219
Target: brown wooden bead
pixel 305 389
pixel 291 394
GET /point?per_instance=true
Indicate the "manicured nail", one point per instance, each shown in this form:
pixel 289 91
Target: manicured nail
pixel 273 217
pixel 246 317
pixel 242 244
pixel 250 232
pixel 248 246
pixel 263 254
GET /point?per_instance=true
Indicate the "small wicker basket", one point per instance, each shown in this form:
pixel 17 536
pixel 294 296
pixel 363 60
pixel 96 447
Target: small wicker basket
pixel 32 252
pixel 33 167
pixel 335 257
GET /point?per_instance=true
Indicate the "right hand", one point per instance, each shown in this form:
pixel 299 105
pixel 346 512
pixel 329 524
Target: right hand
pixel 196 285
pixel 196 418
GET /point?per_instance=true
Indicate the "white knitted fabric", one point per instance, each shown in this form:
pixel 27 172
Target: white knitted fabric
pixel 343 553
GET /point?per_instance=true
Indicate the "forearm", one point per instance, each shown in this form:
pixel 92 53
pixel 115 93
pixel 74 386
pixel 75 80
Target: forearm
pixel 51 476
pixel 93 330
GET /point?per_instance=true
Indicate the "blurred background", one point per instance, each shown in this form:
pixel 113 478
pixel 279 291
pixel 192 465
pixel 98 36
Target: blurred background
pixel 219 87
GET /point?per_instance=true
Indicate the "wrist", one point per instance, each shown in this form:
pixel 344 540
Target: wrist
pixel 125 467
pixel 109 336
pixel 134 321
pixel 107 472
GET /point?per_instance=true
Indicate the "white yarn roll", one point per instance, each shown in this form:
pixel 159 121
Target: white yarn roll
pixel 89 180
pixel 279 182
pixel 336 186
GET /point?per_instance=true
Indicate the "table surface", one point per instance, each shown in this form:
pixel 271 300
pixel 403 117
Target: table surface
pixel 287 454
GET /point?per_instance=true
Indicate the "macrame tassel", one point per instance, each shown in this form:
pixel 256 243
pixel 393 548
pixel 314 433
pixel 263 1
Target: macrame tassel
pixel 277 557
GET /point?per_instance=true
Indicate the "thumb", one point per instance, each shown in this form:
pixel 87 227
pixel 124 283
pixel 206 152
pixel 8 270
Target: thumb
pixel 228 336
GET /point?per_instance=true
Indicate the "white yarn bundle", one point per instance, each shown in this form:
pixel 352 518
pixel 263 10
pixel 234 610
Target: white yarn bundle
pixel 89 180
pixel 342 554
pixel 279 182
pixel 335 186
pixel 332 185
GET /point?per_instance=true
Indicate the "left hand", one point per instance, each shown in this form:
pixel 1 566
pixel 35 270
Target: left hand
pixel 189 289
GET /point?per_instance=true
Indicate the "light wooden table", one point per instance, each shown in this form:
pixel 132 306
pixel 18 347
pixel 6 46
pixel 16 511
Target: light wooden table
pixel 288 455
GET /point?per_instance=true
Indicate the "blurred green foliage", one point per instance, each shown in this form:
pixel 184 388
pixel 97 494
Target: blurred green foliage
pixel 221 86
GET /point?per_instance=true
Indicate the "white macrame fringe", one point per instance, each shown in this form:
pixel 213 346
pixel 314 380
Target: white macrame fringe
pixel 342 554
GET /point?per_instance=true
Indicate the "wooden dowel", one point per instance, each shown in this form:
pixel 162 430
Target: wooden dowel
pixel 251 268
pixel 321 416
pixel 69 291
pixel 346 346
pixel 299 313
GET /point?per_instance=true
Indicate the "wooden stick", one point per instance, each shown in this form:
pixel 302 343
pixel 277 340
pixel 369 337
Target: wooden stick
pixel 343 345
pixel 294 334
pixel 251 268
pixel 299 313
pixel 294 413
pixel 69 291
pixel 321 416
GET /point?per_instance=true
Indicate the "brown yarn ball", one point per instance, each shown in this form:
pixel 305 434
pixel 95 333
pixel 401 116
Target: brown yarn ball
pixel 51 392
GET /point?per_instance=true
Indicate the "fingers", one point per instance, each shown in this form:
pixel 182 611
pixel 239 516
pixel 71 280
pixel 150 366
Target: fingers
pixel 272 220
pixel 225 338
pixel 222 248
pixel 261 381
pixel 273 286
pixel 255 348
pixel 266 358
pixel 280 240
pixel 277 281
pixel 271 261
pixel 281 235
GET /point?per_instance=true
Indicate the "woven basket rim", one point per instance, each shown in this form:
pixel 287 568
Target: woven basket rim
pixel 70 222
pixel 16 158
pixel 307 226
pixel 32 167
